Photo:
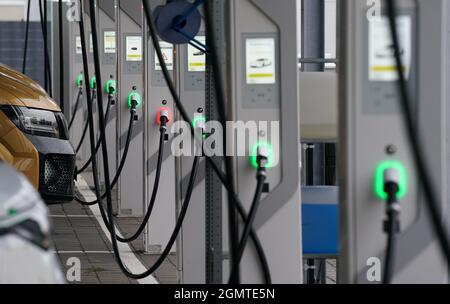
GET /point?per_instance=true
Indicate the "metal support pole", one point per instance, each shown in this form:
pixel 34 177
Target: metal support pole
pixel 313 46
pixel 313 25
pixel 213 186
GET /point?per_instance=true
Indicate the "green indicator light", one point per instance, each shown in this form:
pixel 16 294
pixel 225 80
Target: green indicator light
pixel 12 212
pixel 79 81
pixel 196 120
pixel 134 96
pixel 93 82
pixel 379 179
pixel 254 154
pixel 111 86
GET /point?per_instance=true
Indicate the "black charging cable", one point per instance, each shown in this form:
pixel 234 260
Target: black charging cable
pixel 97 146
pixel 106 171
pixel 86 126
pixel 61 55
pixel 392 223
pixel 27 34
pixel 76 106
pixel 123 159
pixel 425 179
pixel 164 118
pixel 262 160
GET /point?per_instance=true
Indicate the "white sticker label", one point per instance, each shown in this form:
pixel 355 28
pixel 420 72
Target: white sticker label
pixel 382 65
pixel 196 57
pixel 134 48
pixel 78 47
pixel 260 61
pixel 109 41
pixel 91 44
pixel 167 52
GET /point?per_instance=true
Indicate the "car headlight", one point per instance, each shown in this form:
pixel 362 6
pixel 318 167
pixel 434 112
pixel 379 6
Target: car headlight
pixel 38 122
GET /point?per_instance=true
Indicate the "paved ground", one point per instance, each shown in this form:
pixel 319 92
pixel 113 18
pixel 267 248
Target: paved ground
pixel 78 234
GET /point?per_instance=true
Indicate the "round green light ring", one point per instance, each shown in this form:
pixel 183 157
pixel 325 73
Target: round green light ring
pixel 93 82
pixel 379 179
pixel 111 84
pixel 254 154
pixel 196 120
pixel 79 81
pixel 137 97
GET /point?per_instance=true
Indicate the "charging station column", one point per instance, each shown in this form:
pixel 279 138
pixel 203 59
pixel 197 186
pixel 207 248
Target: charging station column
pixel 130 87
pixel 85 152
pixel 108 45
pixel 373 137
pixel 75 78
pixel 263 77
pixel 159 100
pixel 191 82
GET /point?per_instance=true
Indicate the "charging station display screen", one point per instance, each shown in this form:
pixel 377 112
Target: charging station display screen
pixel 197 58
pixel 134 48
pixel 260 60
pixel 167 52
pixel 109 39
pixel 382 65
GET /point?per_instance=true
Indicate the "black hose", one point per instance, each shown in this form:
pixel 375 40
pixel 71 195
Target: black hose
pixel 249 223
pixel 47 70
pixel 122 161
pixel 27 32
pixel 151 205
pixel 85 128
pixel 431 200
pixel 185 116
pixel 392 228
pixel 97 146
pixel 75 109
pixel 61 56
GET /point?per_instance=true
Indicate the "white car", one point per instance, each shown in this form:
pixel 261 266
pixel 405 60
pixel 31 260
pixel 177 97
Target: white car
pixel 261 63
pixel 26 255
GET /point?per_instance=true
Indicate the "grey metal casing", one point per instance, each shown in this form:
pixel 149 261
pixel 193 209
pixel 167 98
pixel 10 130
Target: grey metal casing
pixel 106 25
pixel 131 75
pixel 85 152
pixel 278 221
pixel 192 242
pixel 74 62
pixel 368 127
pixel 162 222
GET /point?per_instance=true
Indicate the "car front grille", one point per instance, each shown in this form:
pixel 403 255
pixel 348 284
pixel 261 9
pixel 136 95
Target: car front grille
pixel 57 178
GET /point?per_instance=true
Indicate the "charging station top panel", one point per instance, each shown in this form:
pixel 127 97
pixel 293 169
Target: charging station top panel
pixel 108 6
pixel 133 8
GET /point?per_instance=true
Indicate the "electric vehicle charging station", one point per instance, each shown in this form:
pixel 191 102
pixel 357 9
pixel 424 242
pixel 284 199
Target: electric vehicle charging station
pixel 262 27
pixel 158 100
pixel 108 44
pixel 369 104
pixel 257 27
pixel 131 85
pixel 191 80
pixel 75 80
pixel 84 153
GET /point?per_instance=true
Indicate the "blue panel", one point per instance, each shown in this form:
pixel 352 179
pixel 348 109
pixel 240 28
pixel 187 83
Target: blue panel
pixel 320 226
